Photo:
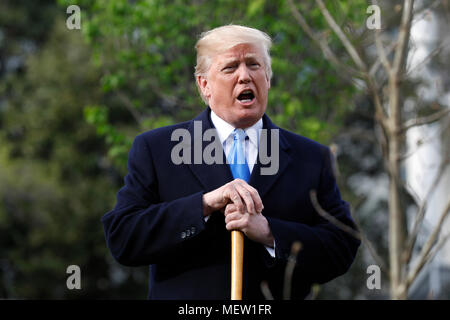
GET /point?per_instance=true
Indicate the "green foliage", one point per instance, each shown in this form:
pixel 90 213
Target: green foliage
pixel 118 142
pixel 56 182
pixel 146 52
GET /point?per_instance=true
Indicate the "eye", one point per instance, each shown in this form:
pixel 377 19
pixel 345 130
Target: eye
pixel 229 68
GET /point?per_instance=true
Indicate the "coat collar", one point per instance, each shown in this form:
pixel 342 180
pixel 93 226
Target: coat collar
pixel 213 176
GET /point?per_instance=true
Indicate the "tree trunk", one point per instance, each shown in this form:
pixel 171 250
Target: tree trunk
pixel 397 219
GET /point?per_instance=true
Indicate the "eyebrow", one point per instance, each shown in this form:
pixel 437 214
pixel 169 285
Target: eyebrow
pixel 248 56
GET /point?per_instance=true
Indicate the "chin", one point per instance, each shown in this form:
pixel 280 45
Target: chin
pixel 247 118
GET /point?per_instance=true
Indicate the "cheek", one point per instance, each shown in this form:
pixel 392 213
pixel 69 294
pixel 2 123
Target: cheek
pixel 223 90
pixel 267 85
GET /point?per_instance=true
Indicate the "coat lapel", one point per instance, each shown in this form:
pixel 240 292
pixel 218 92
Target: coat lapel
pixel 261 182
pixel 213 176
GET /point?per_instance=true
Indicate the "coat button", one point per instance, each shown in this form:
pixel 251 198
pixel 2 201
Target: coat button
pixel 183 235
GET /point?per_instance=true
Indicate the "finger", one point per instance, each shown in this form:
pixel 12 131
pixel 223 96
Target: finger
pixel 232 217
pixel 229 209
pixel 239 224
pixel 246 197
pixel 232 194
pixel 233 225
pixel 257 202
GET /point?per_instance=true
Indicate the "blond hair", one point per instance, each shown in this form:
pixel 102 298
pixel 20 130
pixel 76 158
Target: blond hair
pixel 222 38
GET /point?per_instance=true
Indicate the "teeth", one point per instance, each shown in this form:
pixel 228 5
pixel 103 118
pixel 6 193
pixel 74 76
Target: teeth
pixel 247 92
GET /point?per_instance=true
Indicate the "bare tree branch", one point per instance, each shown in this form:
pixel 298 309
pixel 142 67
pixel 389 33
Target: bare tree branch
pixel 373 70
pixel 289 271
pixel 266 290
pixel 421 212
pixel 331 57
pixel 425 120
pixel 380 113
pixel 379 261
pixel 417 13
pixel 426 139
pixel 341 35
pixel 330 218
pixel 382 52
pixel 403 37
pixel 315 289
pixel 380 49
pixel 383 142
pixel 412 193
pixel 322 43
pixel 391 130
pixel 438 247
pixel 432 54
pixel 424 254
pixel 356 234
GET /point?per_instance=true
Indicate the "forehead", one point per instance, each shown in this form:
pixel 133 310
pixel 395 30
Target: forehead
pixel 239 52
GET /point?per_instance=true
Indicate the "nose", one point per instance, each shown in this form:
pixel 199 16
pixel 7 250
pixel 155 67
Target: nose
pixel 243 74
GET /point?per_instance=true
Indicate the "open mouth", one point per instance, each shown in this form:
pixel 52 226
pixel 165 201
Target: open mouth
pixel 246 96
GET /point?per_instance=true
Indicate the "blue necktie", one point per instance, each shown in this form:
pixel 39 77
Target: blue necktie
pixel 236 156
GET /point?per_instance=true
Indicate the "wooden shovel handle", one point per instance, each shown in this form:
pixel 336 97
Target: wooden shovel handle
pixel 237 262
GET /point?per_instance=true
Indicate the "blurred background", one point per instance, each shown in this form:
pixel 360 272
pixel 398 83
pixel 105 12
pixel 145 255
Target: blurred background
pixel 72 100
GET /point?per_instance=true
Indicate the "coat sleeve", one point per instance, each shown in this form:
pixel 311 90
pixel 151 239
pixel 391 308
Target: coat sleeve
pixel 327 251
pixel 141 229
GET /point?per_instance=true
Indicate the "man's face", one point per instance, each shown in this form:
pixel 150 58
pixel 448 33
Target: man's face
pixel 236 85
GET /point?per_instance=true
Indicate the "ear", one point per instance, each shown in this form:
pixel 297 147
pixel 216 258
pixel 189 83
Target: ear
pixel 203 85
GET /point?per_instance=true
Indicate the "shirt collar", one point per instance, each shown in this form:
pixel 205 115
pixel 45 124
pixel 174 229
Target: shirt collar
pixel 224 129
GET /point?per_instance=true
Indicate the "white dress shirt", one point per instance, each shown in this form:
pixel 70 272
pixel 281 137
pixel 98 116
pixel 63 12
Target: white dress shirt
pixel 225 132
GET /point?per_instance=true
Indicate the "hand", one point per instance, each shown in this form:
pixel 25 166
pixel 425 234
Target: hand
pixel 254 225
pixel 244 197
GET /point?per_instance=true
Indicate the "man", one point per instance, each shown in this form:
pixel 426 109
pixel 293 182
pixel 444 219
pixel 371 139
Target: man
pixel 176 216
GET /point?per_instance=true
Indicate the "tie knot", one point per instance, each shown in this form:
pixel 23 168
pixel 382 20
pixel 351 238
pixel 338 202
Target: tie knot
pixel 239 134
